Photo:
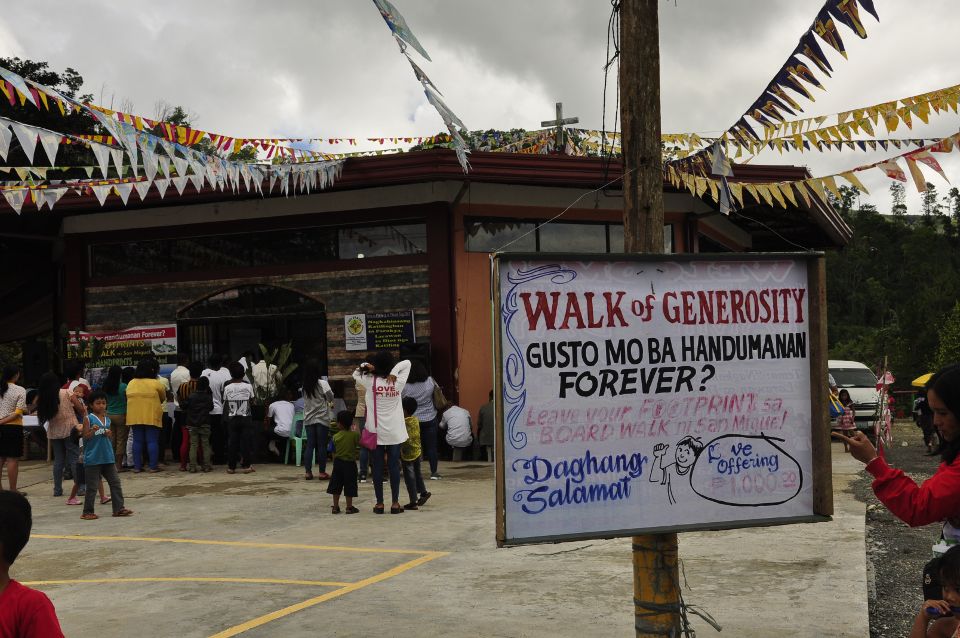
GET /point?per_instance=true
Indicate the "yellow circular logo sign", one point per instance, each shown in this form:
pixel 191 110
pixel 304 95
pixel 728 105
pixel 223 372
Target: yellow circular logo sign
pixel 355 326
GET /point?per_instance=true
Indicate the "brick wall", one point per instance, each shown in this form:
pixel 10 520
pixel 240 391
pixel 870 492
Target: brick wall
pixel 342 292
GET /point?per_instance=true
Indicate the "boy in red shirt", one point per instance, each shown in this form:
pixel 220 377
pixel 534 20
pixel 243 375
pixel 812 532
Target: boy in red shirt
pixel 24 612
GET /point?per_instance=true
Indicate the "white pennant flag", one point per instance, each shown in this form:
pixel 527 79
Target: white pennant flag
pixel 142 189
pixel 164 165
pixel 245 174
pixel 102 153
pixel 5 137
pixel 124 190
pixel 117 155
pixel 50 142
pixel 89 171
pixel 181 165
pixel 15 198
pixel 180 183
pixel 168 147
pixel 273 180
pixel 28 138
pixel 162 185
pixel 18 84
pixel 52 195
pixel 130 141
pixel 101 191
pixel 149 165
pixel 197 181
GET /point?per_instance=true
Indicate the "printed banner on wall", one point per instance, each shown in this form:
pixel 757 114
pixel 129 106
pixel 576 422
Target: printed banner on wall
pixel 379 331
pixel 127 347
pixel 652 395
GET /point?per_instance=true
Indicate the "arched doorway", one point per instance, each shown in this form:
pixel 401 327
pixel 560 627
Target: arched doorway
pixel 238 319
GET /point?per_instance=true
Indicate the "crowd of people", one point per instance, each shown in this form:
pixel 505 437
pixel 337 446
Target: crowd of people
pixel 123 421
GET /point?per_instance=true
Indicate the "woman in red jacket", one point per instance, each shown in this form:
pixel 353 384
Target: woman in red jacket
pixel 937 498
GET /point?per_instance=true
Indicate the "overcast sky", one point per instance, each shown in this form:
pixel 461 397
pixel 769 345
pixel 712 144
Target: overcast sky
pixel 329 68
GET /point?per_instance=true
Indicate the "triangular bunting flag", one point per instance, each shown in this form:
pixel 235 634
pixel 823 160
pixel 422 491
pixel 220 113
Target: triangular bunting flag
pixel 853 179
pixel 164 165
pixel 15 198
pixel 102 153
pixel 51 196
pixel 142 189
pixel 5 137
pixel 926 158
pixel 50 142
pixel 162 185
pixel 831 185
pixel 101 191
pixel 27 136
pixel 117 155
pixel 180 183
pixel 197 181
pixel 892 170
pixel 917 175
pixel 124 189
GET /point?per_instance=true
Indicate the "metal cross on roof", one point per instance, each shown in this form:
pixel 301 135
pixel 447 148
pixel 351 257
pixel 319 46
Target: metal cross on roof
pixel 559 123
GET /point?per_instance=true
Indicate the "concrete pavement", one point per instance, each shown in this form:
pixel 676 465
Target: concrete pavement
pixel 261 555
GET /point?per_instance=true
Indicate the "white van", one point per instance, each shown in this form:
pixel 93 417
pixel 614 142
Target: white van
pixel 861 383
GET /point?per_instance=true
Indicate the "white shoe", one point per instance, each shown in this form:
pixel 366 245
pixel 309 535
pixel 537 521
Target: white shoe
pixel 272 446
pixel 435 477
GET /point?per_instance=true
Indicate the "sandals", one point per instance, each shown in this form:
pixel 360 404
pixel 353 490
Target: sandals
pixel 378 508
pixel 323 476
pixel 353 510
pixel 89 517
pixel 334 509
pixel 123 512
pixel 423 498
pixel 396 509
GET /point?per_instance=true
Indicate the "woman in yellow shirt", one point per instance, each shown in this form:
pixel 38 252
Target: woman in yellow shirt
pixel 146 396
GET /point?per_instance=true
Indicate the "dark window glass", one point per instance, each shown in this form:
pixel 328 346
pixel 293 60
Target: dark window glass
pixel 616 238
pixel 382 241
pixel 247 250
pixel 573 238
pixel 488 236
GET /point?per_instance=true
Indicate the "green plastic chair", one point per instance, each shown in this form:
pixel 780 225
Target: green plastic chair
pixel 298 442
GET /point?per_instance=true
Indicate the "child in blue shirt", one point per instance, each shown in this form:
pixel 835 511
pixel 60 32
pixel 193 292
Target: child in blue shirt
pixel 98 457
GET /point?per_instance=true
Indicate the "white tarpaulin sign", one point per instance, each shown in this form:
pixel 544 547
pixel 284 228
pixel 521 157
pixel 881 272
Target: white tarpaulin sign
pixel 640 395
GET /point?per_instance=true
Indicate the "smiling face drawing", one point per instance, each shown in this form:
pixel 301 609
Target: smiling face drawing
pixel 686 455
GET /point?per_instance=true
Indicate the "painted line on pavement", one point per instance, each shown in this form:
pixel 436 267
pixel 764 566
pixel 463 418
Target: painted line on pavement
pixel 188 579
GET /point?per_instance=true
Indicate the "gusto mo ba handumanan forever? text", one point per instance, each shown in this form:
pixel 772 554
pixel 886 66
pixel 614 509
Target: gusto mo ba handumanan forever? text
pixel 666 360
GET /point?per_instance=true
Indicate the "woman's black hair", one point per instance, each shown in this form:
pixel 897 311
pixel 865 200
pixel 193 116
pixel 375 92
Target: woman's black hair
pixel 9 372
pixel 112 383
pixel 383 362
pixel 310 374
pixel 842 392
pixel 127 375
pixel 418 372
pixel 948 566
pixel 203 384
pixel 145 370
pixel 196 369
pixel 48 401
pixel 946 383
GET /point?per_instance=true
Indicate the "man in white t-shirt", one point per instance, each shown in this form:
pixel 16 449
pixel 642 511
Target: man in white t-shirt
pixel 456 421
pixel 236 398
pixel 282 413
pixel 218 375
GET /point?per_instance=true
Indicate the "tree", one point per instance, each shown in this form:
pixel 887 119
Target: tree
pixel 899 197
pixel 181 117
pixel 930 206
pixel 948 350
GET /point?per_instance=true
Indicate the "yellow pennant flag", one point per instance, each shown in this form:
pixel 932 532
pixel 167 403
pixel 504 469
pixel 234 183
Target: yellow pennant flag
pixel 777 195
pixel 831 185
pixel 802 189
pixel 714 191
pixel 850 177
pixel 917 176
pixel 764 191
pixel 736 189
pixel 788 193
pixel 752 189
pixel 701 184
pixel 816 186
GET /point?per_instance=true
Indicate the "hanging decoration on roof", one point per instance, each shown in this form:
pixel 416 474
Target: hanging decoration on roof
pixel 779 193
pixel 404 36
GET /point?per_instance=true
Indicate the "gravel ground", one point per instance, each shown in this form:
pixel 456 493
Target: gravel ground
pixel 896 553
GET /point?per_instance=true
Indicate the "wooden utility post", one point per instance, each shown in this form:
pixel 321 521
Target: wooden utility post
pixel 656 593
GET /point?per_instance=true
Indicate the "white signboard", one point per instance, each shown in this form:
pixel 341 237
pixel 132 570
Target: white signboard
pixel 355 329
pixel 642 396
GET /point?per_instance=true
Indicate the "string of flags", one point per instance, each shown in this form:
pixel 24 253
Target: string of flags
pixel 779 193
pixel 404 37
pixel 775 104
